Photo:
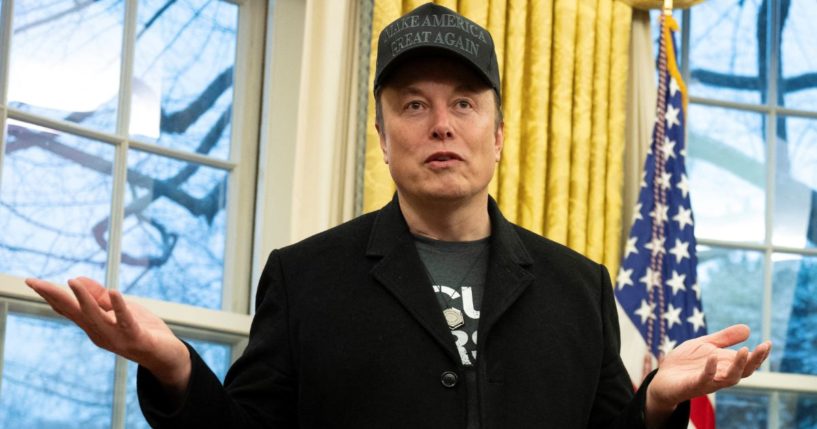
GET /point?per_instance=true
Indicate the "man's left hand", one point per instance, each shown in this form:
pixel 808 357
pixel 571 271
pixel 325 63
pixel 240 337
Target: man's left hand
pixel 701 366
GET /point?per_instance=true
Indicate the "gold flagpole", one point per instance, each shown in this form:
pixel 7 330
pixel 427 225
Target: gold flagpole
pixel 667 7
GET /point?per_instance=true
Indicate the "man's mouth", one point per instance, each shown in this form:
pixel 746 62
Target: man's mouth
pixel 443 157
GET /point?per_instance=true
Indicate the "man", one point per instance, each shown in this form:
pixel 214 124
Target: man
pixel 432 312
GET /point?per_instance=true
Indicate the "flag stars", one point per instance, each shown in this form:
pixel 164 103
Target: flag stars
pixel 697 289
pixel 659 213
pixel 631 246
pixel 664 181
pixel 677 282
pixel 672 316
pixel 651 279
pixel 666 346
pixel 646 311
pixel 668 148
pixel 696 320
pixel 683 185
pixel 656 246
pixel 684 217
pixel 624 278
pixel 681 250
pixel 672 116
pixel 643 183
pixel 673 87
pixel 637 213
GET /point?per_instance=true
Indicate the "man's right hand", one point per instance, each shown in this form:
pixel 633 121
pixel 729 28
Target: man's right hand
pixel 127 329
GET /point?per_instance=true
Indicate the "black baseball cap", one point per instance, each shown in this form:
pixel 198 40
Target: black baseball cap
pixel 433 29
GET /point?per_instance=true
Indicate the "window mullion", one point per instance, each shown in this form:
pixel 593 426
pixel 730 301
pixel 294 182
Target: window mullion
pixel 120 387
pixel 120 171
pixel 120 161
pixel 771 168
pixel 6 13
pixel 243 151
pixel 686 29
pixel 4 311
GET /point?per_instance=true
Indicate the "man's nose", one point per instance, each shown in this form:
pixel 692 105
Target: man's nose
pixel 441 128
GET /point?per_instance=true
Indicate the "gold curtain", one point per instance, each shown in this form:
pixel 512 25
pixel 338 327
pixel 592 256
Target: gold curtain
pixel 564 82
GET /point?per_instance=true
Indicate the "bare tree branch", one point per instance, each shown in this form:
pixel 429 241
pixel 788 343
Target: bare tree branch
pixel 84 260
pixel 25 138
pixel 136 207
pixel 73 9
pixel 43 227
pixel 726 80
pixel 46 387
pixel 155 17
pixel 179 121
pixel 799 83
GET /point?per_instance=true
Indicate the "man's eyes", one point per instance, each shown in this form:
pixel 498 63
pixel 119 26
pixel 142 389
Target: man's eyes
pixel 464 104
pixel 417 105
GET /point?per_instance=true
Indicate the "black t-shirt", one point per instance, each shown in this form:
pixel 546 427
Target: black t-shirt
pixel 457 271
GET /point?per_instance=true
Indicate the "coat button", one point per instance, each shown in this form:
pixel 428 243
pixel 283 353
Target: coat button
pixel 449 379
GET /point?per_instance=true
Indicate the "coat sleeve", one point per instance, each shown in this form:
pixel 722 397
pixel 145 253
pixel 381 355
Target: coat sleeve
pixel 260 389
pixel 609 410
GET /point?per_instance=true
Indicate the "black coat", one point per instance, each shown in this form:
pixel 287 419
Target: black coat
pixel 348 333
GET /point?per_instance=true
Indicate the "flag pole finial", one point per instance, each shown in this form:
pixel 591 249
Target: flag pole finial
pixel 668 7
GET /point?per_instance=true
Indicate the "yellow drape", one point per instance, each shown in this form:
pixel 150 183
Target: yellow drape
pixel 564 70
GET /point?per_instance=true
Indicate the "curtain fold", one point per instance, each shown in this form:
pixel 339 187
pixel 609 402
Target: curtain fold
pixel 564 66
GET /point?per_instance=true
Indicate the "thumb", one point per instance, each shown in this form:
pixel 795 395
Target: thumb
pixel 728 336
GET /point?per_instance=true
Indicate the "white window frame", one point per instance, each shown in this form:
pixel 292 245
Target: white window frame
pixel 259 24
pixel 765 380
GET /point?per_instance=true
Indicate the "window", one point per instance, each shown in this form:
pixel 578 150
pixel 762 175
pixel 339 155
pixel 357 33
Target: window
pixel 751 68
pixel 128 142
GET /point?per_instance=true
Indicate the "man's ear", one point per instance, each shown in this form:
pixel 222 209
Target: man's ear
pixel 383 146
pixel 499 140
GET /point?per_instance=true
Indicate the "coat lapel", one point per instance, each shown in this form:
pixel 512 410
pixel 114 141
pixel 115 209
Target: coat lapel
pixel 402 273
pixel 508 276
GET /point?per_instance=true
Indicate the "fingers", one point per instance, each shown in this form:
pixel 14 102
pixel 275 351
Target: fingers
pixel 710 369
pixel 728 337
pixel 756 358
pixel 735 368
pixel 99 292
pixel 90 306
pixel 59 300
pixel 124 318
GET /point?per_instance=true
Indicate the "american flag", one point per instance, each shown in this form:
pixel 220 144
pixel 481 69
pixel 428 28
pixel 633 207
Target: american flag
pixel 656 288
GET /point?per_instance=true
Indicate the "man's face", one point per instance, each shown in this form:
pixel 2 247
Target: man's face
pixel 439 134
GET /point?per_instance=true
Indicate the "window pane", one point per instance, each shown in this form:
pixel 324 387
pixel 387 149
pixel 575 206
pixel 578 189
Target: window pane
pixel 795 211
pixel 174 231
pixel 65 59
pixel 741 409
pixel 732 289
pixel 725 49
pixel 55 199
pixel 745 409
pixel 216 355
pixel 183 78
pixel 727 171
pixel 797 410
pixel 794 314
pixel 799 55
pixel 53 376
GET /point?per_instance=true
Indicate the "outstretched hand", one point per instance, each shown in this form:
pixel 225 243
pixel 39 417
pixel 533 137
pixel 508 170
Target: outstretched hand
pixel 701 366
pixel 127 329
